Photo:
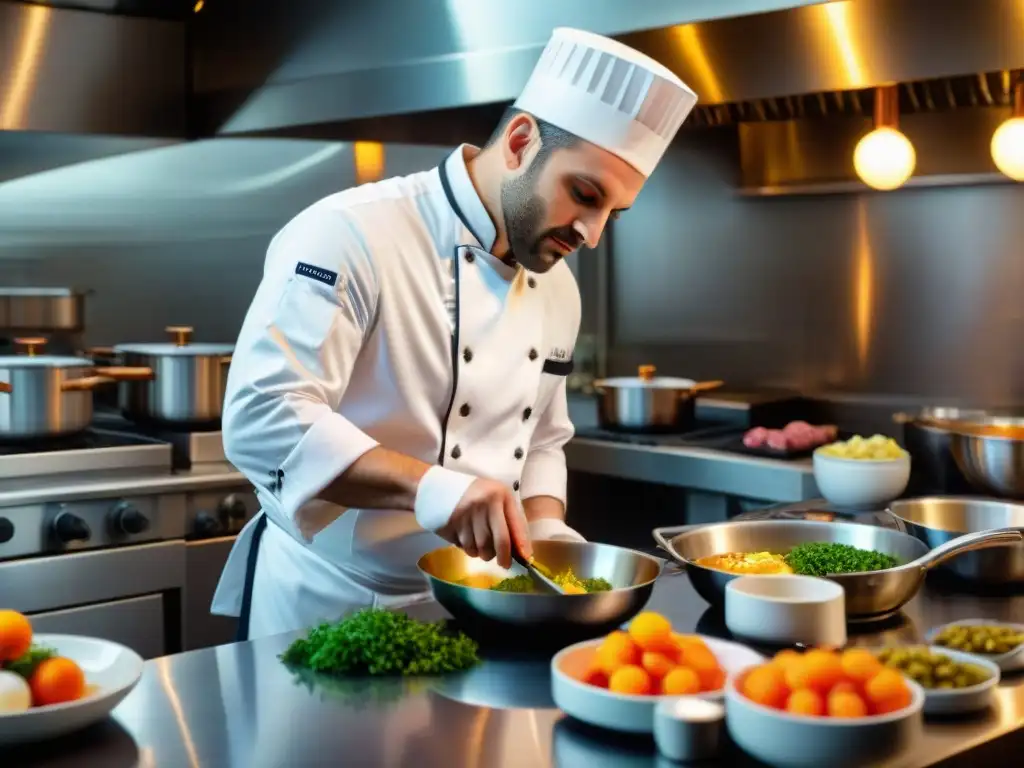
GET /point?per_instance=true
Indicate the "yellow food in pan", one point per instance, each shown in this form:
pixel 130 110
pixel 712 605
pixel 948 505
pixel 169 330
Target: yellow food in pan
pixel 753 563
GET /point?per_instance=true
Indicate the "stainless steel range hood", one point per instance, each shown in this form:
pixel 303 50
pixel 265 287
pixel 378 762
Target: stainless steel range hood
pixel 74 71
pixel 347 70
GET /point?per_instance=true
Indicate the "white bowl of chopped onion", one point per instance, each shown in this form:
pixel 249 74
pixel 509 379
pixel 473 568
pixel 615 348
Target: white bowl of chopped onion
pixel 862 473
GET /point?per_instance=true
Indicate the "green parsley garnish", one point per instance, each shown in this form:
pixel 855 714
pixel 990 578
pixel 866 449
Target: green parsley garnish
pixel 26 664
pixel 821 558
pixel 378 642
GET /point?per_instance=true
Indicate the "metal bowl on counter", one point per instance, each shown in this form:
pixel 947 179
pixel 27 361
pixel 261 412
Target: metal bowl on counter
pixel 929 439
pixel 990 453
pixel 539 619
pixel 940 519
pixel 870 595
pixel 649 403
pixel 187 385
pixel 44 397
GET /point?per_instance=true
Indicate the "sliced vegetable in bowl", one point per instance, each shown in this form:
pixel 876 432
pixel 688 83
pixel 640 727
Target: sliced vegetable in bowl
pixel 1002 643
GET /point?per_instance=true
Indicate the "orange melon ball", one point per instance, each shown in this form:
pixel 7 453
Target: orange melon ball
pixel 805 702
pixel 681 681
pixel 617 650
pixel 860 664
pixel 651 631
pixel 766 685
pixel 630 679
pixel 657 665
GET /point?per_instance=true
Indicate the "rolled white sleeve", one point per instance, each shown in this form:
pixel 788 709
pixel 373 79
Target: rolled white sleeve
pixel 544 472
pixel 295 355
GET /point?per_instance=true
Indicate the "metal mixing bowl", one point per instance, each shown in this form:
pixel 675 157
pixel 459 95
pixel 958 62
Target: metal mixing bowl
pixel 938 519
pixel 992 463
pixel 869 596
pixel 545 619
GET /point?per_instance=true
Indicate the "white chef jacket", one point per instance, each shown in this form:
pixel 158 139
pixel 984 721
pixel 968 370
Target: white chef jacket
pixel 383 319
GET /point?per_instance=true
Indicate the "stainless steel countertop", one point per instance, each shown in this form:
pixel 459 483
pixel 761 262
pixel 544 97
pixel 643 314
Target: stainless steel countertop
pixel 204 477
pixel 699 469
pixel 237 705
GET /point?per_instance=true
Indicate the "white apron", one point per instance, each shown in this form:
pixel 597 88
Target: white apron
pixel 382 319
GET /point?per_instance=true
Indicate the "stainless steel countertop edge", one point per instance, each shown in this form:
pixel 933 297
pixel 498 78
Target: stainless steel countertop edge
pixel 204 478
pixel 700 469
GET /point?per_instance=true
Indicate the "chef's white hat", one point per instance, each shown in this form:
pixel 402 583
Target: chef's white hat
pixel 608 94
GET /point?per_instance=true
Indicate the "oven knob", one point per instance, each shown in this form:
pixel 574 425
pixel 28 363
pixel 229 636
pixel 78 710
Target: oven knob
pixel 6 530
pixel 206 525
pixel 68 528
pixel 129 520
pixel 232 508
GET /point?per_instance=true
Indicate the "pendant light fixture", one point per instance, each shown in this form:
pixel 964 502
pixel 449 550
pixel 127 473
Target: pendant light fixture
pixel 1008 140
pixel 884 159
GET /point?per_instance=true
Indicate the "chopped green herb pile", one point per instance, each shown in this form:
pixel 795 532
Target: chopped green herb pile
pixel 377 642
pixel 820 558
pixel 596 585
pixel 26 664
pixel 521 583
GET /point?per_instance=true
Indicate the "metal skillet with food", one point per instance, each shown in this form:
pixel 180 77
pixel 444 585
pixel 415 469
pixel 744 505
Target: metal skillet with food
pixel 606 585
pixel 880 569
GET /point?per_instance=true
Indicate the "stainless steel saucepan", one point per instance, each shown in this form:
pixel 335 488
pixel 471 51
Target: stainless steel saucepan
pixel 187 385
pixel 50 396
pixel 649 403
pixel 555 619
pixel 869 596
pixel 937 520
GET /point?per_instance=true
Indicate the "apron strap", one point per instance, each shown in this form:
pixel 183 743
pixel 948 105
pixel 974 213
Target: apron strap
pixel 250 577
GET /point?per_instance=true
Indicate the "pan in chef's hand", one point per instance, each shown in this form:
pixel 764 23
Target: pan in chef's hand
pixel 649 403
pixel 540 619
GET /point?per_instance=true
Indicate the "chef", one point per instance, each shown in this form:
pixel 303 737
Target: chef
pixel 399 379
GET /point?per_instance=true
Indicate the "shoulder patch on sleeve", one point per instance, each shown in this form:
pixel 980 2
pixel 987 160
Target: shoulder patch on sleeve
pixel 321 275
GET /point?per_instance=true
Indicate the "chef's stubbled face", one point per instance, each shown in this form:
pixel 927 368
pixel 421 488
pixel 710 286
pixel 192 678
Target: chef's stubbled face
pixel 581 185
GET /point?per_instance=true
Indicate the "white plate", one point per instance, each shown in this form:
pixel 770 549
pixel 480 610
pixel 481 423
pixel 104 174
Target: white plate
pixel 621 711
pixel 947 701
pixel 1011 661
pixel 802 741
pixel 111 671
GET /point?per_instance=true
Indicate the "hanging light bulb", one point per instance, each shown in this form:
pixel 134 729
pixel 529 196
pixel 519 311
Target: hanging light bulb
pixel 1008 140
pixel 885 158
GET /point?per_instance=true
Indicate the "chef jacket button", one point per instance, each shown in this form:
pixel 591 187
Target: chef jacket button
pixel 464 410
pixel 515 486
pixel 519 453
pixel 533 354
pixel 527 412
pixel 467 354
pixel 470 257
pixel 531 282
pixel 456 452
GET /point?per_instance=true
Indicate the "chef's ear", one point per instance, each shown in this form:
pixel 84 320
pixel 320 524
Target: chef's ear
pixel 520 139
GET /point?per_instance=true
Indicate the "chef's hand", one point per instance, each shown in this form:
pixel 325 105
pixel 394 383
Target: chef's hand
pixel 487 522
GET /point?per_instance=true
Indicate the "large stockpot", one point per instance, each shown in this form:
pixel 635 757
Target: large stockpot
pixel 649 403
pixel 870 596
pixel 50 396
pixel 187 385
pixel 937 520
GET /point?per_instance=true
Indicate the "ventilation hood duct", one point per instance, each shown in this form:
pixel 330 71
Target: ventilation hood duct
pixel 73 71
pixel 346 70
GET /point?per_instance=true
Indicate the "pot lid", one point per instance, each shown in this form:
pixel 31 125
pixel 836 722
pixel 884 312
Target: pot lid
pixel 657 382
pixel 188 350
pixel 646 379
pixel 180 347
pixel 44 361
pixel 30 357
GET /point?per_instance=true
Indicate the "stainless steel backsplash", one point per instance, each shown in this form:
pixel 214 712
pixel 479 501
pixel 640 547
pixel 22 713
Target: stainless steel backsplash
pixel 912 294
pixel 917 293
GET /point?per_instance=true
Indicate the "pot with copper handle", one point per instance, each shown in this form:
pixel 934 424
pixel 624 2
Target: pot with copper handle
pixel 649 403
pixel 188 383
pixel 50 396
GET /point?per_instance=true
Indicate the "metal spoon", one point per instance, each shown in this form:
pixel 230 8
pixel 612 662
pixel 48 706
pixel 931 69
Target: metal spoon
pixel 538 572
